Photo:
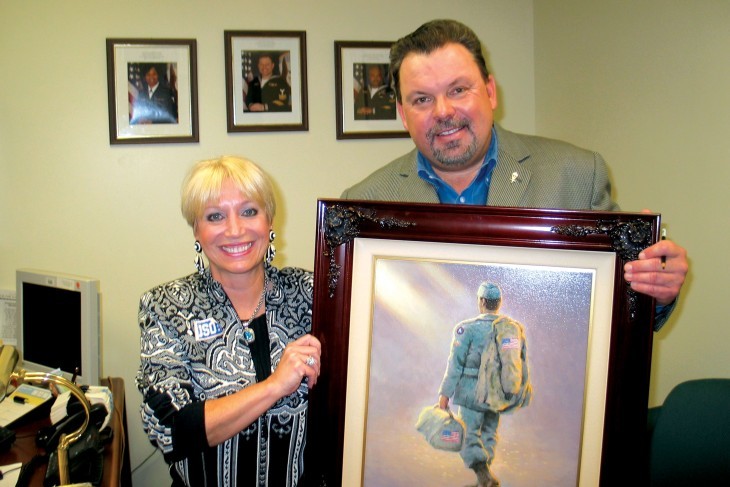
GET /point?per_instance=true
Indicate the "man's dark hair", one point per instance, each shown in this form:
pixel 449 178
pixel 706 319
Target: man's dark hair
pixel 431 36
pixel 159 69
pixel 491 304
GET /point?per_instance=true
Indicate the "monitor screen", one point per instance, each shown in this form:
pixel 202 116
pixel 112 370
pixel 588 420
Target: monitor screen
pixel 58 324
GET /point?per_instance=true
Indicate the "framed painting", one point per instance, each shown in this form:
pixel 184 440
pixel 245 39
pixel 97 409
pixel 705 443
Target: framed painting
pixel 364 91
pixel 153 93
pixel 397 290
pixel 266 80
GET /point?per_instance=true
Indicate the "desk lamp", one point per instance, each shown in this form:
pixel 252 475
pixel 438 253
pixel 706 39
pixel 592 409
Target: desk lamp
pixel 20 376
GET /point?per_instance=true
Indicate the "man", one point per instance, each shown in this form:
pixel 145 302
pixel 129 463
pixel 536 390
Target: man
pixel 377 101
pixel 487 374
pixel 268 93
pixel 154 103
pixel 446 98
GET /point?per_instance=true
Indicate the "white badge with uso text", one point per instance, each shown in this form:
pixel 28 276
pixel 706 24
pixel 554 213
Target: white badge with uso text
pixel 207 329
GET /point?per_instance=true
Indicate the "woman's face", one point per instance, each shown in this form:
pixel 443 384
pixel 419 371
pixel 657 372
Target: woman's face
pixel 234 234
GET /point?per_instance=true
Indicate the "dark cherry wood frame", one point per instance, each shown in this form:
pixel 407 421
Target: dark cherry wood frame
pixel 340 222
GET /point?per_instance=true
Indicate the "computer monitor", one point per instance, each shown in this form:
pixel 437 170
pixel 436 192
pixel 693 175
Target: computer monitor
pixel 59 324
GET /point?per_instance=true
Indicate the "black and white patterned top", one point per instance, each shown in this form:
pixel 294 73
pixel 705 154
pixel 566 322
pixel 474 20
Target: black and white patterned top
pixel 192 350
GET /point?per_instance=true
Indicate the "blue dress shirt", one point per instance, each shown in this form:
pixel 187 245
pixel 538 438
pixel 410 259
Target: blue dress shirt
pixel 477 191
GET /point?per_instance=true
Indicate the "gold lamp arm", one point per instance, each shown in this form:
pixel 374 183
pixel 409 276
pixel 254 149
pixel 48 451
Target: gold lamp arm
pixel 66 441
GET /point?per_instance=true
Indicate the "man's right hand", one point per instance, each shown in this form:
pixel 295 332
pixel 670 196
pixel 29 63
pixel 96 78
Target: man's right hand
pixel 443 402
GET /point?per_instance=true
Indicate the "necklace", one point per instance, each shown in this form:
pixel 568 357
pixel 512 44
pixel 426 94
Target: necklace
pixel 248 335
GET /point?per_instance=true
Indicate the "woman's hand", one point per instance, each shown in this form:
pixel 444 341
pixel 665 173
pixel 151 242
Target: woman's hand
pixel 301 360
pixel 226 416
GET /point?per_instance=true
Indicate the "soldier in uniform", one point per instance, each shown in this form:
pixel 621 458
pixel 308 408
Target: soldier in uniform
pixel 268 93
pixel 377 100
pixel 155 102
pixel 487 374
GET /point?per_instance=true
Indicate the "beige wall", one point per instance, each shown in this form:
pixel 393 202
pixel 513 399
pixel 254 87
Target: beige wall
pixel 646 84
pixel 71 202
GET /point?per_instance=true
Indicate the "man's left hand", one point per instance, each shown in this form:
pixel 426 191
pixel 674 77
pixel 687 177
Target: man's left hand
pixel 662 281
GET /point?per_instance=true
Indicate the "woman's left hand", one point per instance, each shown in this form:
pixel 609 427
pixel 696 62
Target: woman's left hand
pixel 301 360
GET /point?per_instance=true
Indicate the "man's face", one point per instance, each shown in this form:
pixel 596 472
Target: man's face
pixel 375 76
pixel 266 66
pixel 151 78
pixel 447 107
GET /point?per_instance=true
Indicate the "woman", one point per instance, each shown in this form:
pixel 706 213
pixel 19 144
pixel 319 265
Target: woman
pixel 226 358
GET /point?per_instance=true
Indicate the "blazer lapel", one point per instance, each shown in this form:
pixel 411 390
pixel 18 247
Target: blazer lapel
pixel 511 177
pixel 412 187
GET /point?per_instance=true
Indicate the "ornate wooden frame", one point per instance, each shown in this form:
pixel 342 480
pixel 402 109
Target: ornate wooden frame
pixel 341 223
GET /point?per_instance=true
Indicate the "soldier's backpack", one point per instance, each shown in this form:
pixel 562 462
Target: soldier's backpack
pixel 489 388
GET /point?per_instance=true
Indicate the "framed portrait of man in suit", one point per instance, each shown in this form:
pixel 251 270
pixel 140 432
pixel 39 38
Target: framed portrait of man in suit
pixel 397 289
pixel 152 86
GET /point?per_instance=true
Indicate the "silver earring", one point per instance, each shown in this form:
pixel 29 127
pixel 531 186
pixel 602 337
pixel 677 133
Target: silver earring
pixel 270 250
pixel 199 264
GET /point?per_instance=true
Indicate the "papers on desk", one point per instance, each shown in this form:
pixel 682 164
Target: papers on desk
pixel 10 474
pixel 22 401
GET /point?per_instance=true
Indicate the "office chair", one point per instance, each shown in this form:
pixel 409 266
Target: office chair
pixel 690 435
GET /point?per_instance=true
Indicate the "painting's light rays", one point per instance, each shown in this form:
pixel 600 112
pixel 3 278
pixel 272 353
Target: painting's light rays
pixel 399 295
pixel 408 296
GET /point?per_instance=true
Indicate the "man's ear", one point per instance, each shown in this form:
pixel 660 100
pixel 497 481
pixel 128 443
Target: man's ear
pixel 399 106
pixel 492 91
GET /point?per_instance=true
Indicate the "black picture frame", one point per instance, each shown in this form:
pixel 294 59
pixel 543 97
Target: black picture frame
pixel 170 114
pixel 283 104
pixel 361 115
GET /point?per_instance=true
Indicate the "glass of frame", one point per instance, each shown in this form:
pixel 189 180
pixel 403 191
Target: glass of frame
pixel 393 280
pixel 279 58
pixel 365 96
pixel 153 93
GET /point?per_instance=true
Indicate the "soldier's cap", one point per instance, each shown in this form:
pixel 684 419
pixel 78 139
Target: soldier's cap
pixel 489 290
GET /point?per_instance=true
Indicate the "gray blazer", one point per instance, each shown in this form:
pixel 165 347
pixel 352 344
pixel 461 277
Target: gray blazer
pixel 531 172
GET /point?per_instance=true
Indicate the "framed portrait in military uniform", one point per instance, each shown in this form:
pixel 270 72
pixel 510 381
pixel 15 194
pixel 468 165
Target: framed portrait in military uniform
pixel 153 92
pixel 402 305
pixel 364 92
pixel 266 80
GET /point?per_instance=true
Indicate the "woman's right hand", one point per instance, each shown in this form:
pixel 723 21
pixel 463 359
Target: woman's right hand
pixel 227 415
pixel 301 360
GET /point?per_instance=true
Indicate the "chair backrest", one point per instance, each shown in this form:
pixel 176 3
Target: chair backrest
pixel 690 444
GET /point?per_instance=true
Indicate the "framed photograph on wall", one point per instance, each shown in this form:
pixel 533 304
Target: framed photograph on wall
pixel 152 85
pixel 364 91
pixel 266 80
pixel 395 285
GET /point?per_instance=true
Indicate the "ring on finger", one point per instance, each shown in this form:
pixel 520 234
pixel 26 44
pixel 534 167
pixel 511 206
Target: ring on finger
pixel 311 361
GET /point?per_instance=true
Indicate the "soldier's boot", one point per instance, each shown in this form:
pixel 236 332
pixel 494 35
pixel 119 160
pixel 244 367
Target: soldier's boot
pixel 485 478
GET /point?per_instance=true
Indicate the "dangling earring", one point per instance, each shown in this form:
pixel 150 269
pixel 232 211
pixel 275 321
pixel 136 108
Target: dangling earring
pixel 270 250
pixel 199 264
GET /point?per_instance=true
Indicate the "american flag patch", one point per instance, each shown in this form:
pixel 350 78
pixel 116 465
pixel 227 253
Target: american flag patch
pixel 510 344
pixel 451 436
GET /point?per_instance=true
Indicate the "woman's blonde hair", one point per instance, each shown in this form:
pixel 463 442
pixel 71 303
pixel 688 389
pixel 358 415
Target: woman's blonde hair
pixel 205 179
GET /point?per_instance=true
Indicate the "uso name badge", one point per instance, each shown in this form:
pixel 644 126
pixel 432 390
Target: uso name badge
pixel 206 329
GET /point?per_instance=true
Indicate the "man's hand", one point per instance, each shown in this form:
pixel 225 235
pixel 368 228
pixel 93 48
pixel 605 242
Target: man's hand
pixel 660 279
pixel 443 402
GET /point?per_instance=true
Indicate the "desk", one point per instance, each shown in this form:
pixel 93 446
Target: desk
pixel 117 471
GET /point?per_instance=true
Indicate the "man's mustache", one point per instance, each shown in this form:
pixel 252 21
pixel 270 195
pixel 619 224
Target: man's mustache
pixel 450 124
